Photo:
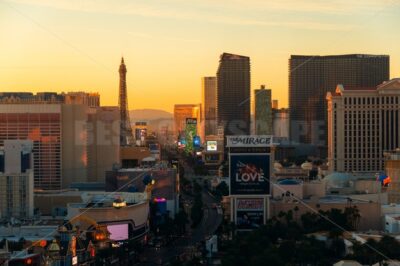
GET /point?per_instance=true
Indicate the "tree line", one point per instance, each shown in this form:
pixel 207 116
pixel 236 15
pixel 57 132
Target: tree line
pixel 284 241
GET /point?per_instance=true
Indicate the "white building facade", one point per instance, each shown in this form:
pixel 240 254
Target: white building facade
pixel 362 124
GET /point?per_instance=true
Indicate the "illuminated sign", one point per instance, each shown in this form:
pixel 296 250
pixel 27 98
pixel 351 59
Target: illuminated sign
pixel 119 204
pixel 73 245
pixel 249 141
pixel 160 200
pixel 191 121
pixel 196 141
pixel 140 133
pixel 75 260
pixel 118 232
pixel 212 145
pixel 249 174
pixel 190 133
pixel 250 204
pixel 249 213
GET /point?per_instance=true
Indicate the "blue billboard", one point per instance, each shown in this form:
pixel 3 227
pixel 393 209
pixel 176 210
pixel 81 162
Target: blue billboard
pixel 196 142
pixel 249 174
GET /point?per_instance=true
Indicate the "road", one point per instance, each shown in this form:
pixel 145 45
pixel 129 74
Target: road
pixel 212 218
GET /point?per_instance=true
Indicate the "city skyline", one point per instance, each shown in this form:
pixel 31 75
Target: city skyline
pixel 200 132
pixel 76 46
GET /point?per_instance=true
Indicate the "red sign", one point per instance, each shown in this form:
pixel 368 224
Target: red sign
pixel 250 204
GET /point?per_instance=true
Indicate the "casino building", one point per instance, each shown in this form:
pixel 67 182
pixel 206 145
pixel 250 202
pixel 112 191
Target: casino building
pixel 69 132
pixel 363 123
pixel 124 214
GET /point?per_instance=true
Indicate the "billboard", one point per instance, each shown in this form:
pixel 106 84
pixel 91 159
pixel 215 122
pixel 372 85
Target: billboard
pixel 249 213
pixel 212 145
pixel 190 133
pixel 249 173
pixel 118 232
pixel 140 133
pixel 196 141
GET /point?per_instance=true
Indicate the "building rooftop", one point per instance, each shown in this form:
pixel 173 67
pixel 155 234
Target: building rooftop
pixel 392 155
pixel 289 182
pixel 390 84
pixel 29 232
pixel 360 88
pixel 341 180
pixel 338 56
pixel 228 56
pixel 330 199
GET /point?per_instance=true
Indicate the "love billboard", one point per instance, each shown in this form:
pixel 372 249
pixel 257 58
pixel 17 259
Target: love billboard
pixel 249 174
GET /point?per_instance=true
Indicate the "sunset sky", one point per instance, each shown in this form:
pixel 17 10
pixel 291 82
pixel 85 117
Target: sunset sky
pixel 168 45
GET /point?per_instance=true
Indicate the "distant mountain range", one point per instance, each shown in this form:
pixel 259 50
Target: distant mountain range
pixel 156 119
pixel 149 115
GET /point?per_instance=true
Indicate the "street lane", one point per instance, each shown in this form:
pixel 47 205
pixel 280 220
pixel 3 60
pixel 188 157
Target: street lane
pixel 209 224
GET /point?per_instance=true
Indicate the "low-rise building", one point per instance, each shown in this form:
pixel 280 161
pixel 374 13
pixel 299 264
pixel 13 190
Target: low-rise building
pixel 124 214
pixel 133 156
pixel 392 169
pixel 370 212
pixel 132 179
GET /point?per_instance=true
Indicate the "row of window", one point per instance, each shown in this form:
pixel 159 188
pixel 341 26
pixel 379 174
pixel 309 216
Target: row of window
pixel 352 101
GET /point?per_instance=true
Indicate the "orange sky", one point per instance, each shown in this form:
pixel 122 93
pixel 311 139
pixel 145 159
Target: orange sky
pixel 71 45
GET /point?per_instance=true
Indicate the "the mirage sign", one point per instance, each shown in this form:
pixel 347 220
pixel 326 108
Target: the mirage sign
pixel 249 174
pixel 249 141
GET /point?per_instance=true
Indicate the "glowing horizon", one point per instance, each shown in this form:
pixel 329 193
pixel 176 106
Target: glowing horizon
pixel 168 46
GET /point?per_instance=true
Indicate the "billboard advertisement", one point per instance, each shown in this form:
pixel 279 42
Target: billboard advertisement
pixel 140 133
pixel 212 145
pixel 249 213
pixel 190 133
pixel 196 141
pixel 249 173
pixel 118 232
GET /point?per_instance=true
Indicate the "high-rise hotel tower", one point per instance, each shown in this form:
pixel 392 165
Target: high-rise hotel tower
pixel 363 123
pixel 311 77
pixel 233 94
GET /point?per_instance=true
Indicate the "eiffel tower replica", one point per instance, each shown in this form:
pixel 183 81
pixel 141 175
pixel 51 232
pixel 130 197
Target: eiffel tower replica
pixel 126 136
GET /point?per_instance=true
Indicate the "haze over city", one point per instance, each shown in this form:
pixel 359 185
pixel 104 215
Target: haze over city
pixel 168 45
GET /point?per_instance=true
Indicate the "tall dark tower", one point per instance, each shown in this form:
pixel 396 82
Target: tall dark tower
pixel 233 94
pixel 126 137
pixel 311 77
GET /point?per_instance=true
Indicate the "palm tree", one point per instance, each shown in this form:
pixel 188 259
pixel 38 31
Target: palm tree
pixel 296 210
pixel 353 217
